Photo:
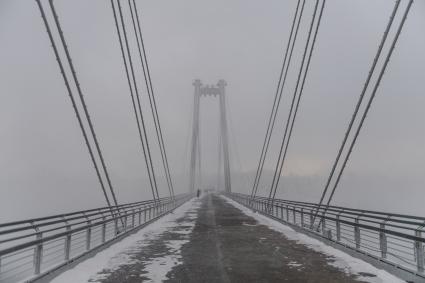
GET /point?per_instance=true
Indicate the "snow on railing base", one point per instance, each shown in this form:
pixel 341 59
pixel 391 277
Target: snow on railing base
pixel 298 216
pixel 62 241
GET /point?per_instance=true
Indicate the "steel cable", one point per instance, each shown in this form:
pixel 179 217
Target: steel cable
pixel 277 98
pixel 73 102
pixel 154 100
pixel 138 99
pixel 133 101
pixel 81 96
pixel 381 74
pixel 149 88
pixel 359 102
pixel 287 135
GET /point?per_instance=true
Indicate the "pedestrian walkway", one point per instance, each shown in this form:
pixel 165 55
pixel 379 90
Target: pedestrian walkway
pixel 214 241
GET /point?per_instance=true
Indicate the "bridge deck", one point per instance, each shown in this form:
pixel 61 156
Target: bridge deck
pixel 214 241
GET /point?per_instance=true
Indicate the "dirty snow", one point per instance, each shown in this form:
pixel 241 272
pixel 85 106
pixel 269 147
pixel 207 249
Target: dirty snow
pixel 158 268
pixel 294 264
pixel 341 260
pixel 118 254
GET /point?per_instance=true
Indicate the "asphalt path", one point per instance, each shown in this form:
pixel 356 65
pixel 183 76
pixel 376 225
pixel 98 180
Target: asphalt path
pixel 226 245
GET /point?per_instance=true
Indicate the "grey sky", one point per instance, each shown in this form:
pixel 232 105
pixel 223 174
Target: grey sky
pixel 44 165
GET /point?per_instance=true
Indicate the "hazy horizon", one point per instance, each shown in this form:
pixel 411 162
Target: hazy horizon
pixel 44 165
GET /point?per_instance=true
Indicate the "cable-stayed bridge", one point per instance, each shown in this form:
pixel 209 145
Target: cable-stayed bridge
pixel 215 235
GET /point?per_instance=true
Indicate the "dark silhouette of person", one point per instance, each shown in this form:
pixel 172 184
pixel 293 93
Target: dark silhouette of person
pixel 198 192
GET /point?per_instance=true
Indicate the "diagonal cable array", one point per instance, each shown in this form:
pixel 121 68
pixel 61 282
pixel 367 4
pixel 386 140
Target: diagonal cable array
pixel 135 97
pixel 134 92
pixel 296 98
pixel 92 133
pixel 367 108
pixel 278 95
pixel 151 95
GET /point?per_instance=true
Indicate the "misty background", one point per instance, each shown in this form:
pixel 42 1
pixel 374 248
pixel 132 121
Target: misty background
pixel 44 165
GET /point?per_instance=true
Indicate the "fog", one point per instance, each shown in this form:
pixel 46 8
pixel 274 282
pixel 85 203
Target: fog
pixel 44 164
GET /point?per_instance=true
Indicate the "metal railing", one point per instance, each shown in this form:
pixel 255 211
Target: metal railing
pixel 394 239
pixel 32 248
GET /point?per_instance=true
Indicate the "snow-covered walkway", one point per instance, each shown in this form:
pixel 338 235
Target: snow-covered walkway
pixel 217 240
pixel 146 256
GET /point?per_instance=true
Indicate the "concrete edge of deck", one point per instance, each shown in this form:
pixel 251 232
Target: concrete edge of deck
pixel 395 270
pixel 51 274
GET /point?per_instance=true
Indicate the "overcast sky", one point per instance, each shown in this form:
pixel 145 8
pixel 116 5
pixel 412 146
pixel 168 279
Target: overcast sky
pixel 44 164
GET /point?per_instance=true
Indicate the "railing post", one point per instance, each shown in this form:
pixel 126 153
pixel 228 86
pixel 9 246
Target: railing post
pixel 140 216
pixel 419 251
pixel 302 217
pixel 383 240
pixel 311 219
pixel 357 233
pixel 117 231
pixel 294 216
pixel 88 236
pixel 277 211
pixel 125 222
pixel 323 226
pixel 287 213
pixel 338 229
pixel 38 253
pixel 67 248
pixel 281 212
pixel 145 212
pixel 133 217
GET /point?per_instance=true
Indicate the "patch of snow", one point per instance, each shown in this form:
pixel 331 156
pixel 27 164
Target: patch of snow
pixel 294 264
pixel 158 268
pixel 341 260
pixel 118 254
pixel 247 224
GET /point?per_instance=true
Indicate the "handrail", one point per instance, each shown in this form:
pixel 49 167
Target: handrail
pixel 84 216
pixel 107 208
pixel 351 209
pixel 344 213
pixel 63 234
pixel 57 228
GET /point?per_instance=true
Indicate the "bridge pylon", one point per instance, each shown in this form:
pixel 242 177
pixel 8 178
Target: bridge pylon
pixel 201 91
